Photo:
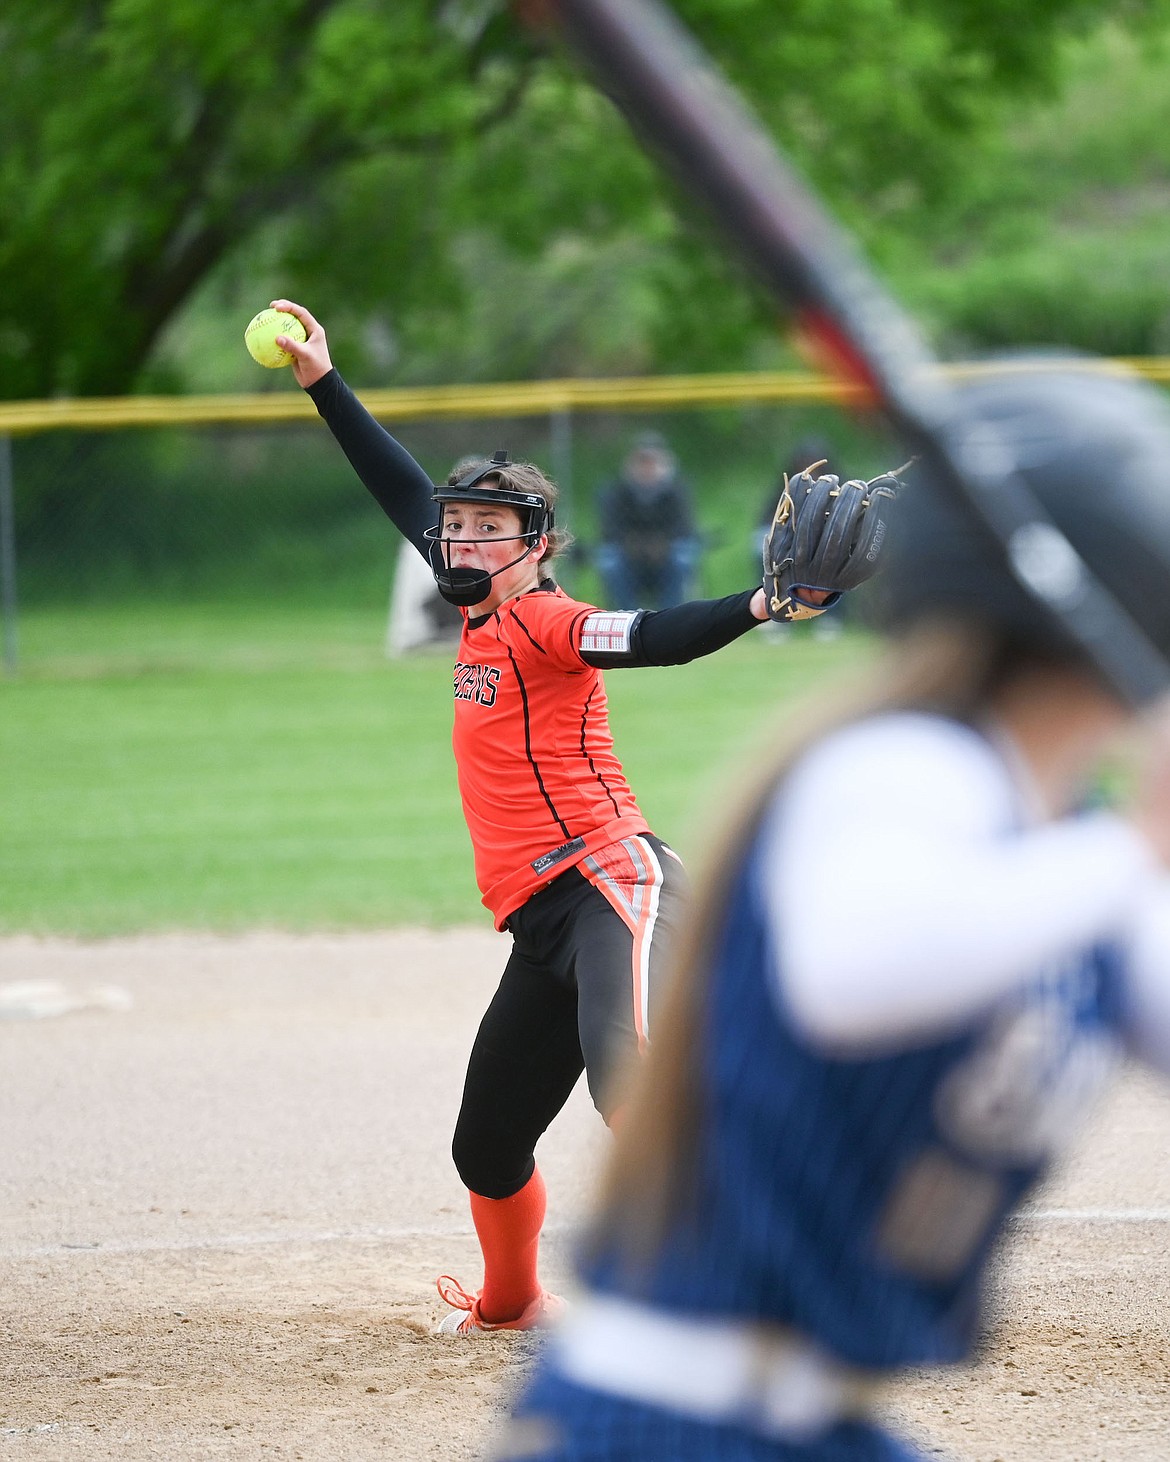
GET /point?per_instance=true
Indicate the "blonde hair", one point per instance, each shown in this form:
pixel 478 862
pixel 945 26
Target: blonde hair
pixel 947 669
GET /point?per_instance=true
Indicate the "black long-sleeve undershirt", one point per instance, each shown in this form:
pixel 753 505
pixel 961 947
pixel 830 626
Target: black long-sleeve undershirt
pixel 681 633
pixel 403 491
pixel 395 480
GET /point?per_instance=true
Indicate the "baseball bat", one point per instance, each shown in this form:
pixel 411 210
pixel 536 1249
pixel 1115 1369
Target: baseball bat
pixel 720 155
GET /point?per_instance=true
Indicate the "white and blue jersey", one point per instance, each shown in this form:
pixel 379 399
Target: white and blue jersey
pixel 856 1199
pixel 848 1186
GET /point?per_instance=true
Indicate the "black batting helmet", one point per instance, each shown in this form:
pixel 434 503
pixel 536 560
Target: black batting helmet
pixel 1093 444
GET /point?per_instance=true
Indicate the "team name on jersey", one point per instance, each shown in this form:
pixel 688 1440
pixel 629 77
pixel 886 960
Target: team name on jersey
pixel 476 683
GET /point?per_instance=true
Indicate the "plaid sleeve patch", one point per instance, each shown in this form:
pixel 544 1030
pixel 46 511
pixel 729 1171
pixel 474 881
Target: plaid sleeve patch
pixel 608 633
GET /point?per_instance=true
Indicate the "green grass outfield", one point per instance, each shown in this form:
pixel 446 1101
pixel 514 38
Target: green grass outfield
pixel 201 769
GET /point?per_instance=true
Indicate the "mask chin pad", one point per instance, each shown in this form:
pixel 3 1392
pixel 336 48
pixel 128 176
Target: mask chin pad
pixel 460 586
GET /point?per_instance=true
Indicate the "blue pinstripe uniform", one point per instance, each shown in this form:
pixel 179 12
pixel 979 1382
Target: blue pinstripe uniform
pixel 854 1201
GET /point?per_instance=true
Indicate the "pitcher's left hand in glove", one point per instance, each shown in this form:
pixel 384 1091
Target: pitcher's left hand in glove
pixel 826 536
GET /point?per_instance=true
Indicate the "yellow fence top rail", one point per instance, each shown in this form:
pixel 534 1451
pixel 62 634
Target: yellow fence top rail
pixel 513 398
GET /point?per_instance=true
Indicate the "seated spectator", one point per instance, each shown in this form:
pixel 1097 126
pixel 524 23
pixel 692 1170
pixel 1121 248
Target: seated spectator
pixel 648 553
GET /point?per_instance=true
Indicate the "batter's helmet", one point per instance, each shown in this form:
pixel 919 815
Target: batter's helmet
pixel 1094 446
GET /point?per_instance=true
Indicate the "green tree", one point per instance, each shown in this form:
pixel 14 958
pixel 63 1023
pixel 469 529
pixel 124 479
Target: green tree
pixel 398 161
pixel 144 142
pixel 1059 232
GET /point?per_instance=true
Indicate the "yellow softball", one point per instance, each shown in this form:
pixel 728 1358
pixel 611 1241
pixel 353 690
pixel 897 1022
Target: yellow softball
pixel 260 337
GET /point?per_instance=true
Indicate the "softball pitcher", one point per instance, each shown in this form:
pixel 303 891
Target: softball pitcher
pixel 915 962
pixel 563 856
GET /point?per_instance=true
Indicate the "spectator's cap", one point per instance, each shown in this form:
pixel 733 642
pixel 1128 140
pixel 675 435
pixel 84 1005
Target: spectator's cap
pixel 650 460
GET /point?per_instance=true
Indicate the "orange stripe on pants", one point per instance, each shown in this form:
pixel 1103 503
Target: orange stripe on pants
pixel 629 876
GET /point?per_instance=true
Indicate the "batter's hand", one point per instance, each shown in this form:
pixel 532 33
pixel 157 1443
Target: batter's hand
pixel 310 356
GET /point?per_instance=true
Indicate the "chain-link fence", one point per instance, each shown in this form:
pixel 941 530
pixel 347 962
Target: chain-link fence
pixel 171 543
pixel 180 542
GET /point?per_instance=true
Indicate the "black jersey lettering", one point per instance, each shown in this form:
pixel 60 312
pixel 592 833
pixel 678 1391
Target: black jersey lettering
pixel 476 683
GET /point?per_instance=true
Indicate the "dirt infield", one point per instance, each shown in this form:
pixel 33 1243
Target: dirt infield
pixel 225 1193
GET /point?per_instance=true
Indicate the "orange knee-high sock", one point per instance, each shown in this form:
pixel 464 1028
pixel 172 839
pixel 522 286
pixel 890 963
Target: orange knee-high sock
pixel 509 1235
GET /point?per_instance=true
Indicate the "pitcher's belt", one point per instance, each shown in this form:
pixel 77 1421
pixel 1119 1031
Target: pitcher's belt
pixel 763 1378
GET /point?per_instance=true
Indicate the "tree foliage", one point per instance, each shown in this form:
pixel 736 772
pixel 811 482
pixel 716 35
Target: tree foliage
pixel 433 170
pixel 1059 232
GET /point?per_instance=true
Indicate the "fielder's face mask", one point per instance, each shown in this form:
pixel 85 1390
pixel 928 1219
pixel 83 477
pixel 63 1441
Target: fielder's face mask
pixel 467 586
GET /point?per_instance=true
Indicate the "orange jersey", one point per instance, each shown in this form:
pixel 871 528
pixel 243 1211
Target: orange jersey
pixel 541 786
